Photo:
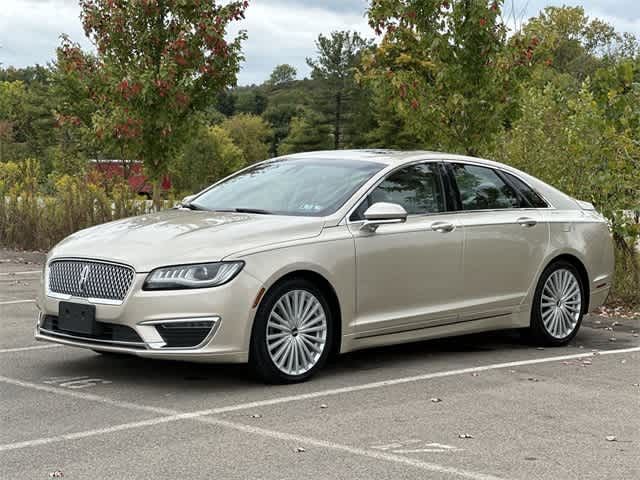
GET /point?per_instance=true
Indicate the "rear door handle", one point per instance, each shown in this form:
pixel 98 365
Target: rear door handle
pixel 527 221
pixel 442 227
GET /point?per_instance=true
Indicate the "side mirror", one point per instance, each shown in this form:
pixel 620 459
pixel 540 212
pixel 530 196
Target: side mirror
pixel 187 200
pixel 383 213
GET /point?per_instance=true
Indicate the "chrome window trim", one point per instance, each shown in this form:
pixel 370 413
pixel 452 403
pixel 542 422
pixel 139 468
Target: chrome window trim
pixel 346 221
pixel 92 300
pixel 504 170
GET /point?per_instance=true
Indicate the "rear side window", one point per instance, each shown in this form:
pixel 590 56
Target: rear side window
pixel 533 199
pixel 416 187
pixel 481 188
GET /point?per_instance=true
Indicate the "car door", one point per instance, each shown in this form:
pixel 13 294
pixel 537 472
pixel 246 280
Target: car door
pixel 505 240
pixel 408 274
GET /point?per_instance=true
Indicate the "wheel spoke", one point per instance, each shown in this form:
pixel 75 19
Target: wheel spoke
pixel 281 353
pixel 312 329
pixel 278 323
pixel 277 343
pixel 312 322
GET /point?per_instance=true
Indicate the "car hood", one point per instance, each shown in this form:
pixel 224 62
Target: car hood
pixel 183 236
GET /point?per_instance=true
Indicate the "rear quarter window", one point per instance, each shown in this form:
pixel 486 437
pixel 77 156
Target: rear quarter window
pixel 531 196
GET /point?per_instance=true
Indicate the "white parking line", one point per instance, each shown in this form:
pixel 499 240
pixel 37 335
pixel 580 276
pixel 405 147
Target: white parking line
pixel 416 378
pixel 387 457
pixel 28 272
pixel 263 432
pixel 86 396
pixel 23 349
pixel 14 302
pixel 202 415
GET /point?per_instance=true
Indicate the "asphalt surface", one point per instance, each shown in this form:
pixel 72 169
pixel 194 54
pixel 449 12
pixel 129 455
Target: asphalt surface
pixel 389 413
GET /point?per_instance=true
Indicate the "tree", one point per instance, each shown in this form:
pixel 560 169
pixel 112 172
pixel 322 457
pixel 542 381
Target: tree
pixel 12 97
pixel 209 156
pixel 251 100
pixel 251 134
pixel 570 42
pixel 307 133
pixel 334 67
pixel 282 75
pixel 443 64
pixel 157 63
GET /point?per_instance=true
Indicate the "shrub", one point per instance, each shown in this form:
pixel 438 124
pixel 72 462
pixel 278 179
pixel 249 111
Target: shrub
pixel 32 220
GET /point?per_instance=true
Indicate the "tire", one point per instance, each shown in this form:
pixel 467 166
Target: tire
pixel 558 305
pixel 277 339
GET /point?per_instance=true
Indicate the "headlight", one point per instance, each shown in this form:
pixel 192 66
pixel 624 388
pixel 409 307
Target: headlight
pixel 192 276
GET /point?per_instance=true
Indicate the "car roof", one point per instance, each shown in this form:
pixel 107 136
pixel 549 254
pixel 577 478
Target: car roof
pixel 386 156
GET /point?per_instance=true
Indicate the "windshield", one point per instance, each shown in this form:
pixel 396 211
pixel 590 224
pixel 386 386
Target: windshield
pixel 308 187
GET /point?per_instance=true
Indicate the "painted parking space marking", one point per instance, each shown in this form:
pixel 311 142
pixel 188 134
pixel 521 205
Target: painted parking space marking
pixel 15 302
pixel 416 445
pixel 76 383
pixel 263 432
pixel 26 349
pixel 86 396
pixel 28 272
pixel 173 415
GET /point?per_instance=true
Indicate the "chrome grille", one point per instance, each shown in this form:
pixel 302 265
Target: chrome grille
pixel 90 279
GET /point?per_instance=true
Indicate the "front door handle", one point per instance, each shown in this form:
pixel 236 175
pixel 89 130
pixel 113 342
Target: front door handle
pixel 442 227
pixel 527 221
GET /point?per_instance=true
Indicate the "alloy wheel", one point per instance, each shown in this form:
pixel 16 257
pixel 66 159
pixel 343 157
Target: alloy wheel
pixel 561 303
pixel 296 332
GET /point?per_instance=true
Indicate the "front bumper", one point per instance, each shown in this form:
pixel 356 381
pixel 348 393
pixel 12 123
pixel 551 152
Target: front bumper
pixel 228 307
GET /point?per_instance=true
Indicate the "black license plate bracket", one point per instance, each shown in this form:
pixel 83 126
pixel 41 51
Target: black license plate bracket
pixel 77 318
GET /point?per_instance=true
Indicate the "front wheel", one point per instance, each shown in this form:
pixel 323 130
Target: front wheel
pixel 291 335
pixel 558 305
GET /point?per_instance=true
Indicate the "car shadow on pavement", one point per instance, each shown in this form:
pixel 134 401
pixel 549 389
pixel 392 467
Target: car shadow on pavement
pixel 196 376
pixel 162 374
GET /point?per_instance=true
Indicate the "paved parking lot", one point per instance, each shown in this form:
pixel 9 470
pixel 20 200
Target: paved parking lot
pixel 476 407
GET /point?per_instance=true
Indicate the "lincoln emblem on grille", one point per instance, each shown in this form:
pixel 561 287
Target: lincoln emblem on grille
pixel 84 275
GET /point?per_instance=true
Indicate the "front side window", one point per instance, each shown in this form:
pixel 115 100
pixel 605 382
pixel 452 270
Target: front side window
pixel 305 187
pixel 416 188
pixel 481 188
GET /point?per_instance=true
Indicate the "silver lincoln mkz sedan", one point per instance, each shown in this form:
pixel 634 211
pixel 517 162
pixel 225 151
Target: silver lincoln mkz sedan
pixel 293 259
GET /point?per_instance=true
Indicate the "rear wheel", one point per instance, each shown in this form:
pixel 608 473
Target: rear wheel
pixel 558 305
pixel 291 333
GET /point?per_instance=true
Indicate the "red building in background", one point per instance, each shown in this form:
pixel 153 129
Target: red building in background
pixel 101 170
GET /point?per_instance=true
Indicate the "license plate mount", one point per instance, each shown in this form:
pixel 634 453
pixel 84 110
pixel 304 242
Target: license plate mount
pixel 77 318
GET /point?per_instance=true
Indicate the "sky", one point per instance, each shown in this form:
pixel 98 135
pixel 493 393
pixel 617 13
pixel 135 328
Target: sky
pixel 279 31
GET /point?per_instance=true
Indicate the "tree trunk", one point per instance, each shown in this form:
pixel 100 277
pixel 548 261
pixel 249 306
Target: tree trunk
pixel 337 125
pixel 157 200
